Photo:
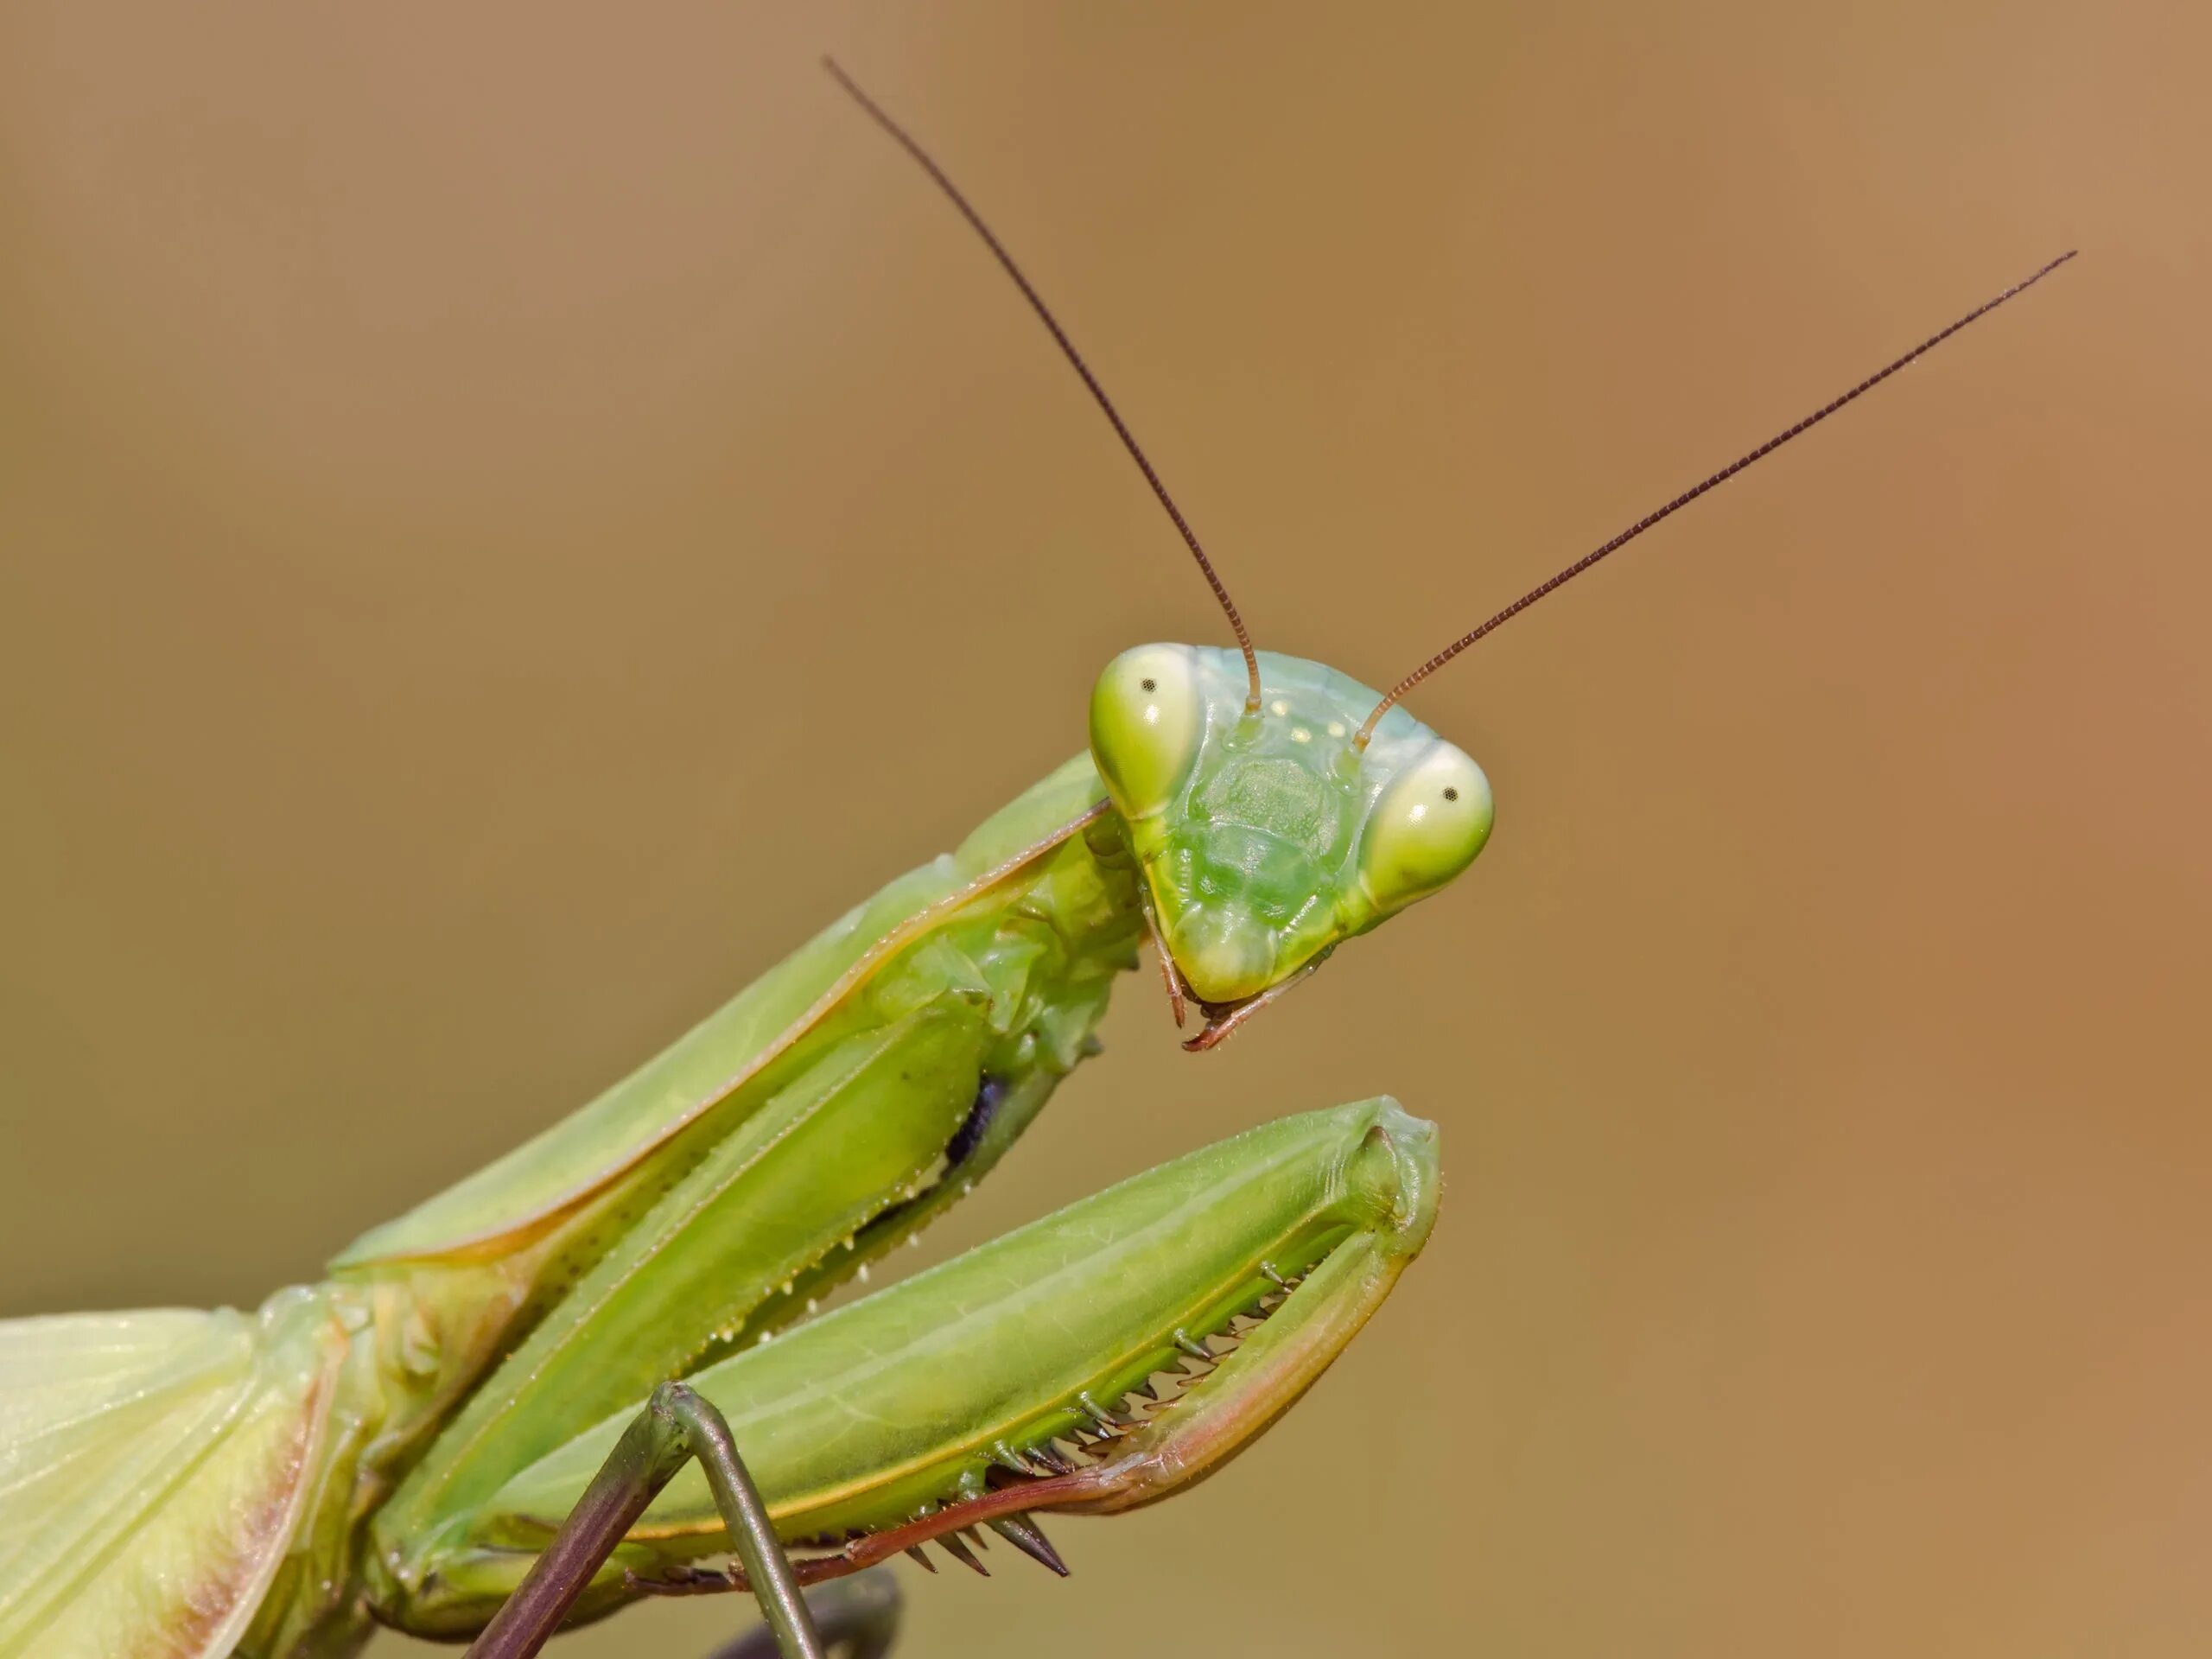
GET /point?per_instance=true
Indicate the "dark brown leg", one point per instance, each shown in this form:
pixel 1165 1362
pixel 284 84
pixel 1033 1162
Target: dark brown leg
pixel 674 1427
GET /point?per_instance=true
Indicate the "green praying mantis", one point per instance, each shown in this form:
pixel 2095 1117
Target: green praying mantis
pixel 595 1371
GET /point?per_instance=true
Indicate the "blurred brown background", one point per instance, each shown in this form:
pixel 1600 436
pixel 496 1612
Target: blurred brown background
pixel 508 521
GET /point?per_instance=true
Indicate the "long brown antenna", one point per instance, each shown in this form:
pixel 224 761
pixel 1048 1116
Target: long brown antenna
pixel 907 142
pixel 1688 496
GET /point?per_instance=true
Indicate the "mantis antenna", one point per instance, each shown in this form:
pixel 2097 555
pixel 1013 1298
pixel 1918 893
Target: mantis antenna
pixel 907 143
pixel 1690 495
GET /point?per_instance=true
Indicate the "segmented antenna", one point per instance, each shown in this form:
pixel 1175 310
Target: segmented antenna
pixel 1067 347
pixel 1688 496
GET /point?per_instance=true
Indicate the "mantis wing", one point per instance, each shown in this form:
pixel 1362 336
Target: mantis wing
pixel 153 1468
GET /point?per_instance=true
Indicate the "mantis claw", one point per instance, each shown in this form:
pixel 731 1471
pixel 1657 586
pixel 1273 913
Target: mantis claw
pixel 1027 1537
pixel 957 1547
pixel 1110 1423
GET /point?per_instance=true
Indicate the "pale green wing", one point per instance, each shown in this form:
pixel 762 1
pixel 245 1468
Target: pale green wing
pixel 579 1155
pixel 152 1467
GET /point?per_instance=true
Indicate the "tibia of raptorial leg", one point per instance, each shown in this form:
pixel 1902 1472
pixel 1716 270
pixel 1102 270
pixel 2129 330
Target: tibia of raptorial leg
pixel 1019 1376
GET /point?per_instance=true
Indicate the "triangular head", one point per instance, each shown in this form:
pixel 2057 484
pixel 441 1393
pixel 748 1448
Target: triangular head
pixel 1267 835
pixel 1277 805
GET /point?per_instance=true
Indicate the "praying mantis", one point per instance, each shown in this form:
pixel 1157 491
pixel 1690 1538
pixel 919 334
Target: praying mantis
pixel 596 1370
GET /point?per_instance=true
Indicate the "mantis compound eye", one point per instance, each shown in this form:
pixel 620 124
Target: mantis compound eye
pixel 1426 827
pixel 1147 716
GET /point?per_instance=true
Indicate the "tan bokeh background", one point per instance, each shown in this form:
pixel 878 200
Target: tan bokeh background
pixel 508 521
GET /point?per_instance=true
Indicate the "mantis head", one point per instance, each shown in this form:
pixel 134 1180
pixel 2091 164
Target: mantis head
pixel 1267 835
pixel 1276 805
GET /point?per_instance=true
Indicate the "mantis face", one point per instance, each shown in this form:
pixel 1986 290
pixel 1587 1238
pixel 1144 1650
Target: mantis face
pixel 1266 836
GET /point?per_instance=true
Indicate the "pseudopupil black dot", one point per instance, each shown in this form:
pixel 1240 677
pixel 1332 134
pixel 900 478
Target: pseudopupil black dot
pixel 1451 794
pixel 1148 685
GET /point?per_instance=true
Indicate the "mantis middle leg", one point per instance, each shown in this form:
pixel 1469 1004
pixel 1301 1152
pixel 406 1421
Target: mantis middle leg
pixel 674 1427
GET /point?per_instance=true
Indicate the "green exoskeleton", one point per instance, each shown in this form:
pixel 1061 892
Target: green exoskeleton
pixel 594 1370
